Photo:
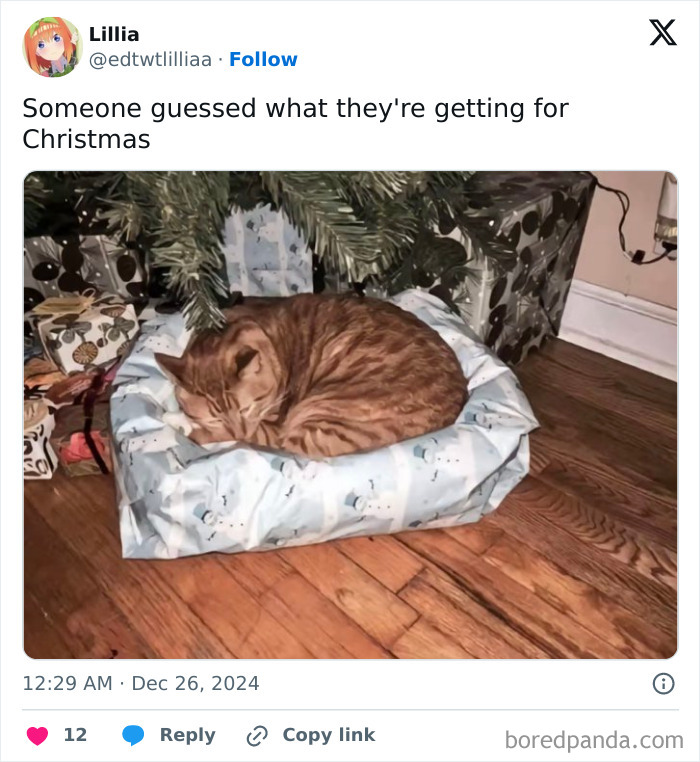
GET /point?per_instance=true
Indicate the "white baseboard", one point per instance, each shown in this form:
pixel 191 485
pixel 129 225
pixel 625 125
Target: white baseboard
pixel 628 329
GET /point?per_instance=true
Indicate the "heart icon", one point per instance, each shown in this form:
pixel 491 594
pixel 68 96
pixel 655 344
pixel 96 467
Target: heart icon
pixel 37 735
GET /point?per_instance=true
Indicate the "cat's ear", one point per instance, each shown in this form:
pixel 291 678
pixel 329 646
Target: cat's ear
pixel 247 362
pixel 173 367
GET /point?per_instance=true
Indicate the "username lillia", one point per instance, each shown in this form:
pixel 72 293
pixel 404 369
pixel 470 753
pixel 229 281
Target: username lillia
pixel 113 34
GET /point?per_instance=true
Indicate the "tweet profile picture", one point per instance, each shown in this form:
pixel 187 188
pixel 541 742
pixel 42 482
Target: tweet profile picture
pixel 52 47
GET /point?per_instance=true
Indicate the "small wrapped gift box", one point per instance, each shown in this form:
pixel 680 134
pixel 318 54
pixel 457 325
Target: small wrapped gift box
pixel 81 439
pixel 39 376
pixel 80 333
pixel 532 226
pixel 39 457
pixel 507 264
pixel 76 264
pixel 265 254
pixel 32 343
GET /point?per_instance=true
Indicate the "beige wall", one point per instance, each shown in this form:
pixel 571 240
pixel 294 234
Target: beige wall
pixel 601 261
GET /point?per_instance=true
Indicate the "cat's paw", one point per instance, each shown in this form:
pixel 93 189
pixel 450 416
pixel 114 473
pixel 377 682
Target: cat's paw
pixel 202 436
pixel 178 421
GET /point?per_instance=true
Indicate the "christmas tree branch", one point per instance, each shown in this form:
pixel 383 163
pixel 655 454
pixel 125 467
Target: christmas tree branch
pixel 185 212
pixel 327 221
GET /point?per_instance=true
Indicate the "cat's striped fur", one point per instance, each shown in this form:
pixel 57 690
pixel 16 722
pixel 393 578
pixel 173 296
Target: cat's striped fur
pixel 318 375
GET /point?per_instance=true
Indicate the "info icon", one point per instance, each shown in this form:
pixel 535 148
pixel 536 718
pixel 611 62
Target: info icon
pixel 663 683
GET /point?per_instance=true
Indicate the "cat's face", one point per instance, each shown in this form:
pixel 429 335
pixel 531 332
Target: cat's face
pixel 226 384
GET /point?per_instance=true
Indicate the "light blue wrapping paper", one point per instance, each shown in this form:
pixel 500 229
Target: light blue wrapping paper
pixel 265 254
pixel 177 498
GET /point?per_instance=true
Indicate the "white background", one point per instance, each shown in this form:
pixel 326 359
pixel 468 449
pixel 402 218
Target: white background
pixel 633 106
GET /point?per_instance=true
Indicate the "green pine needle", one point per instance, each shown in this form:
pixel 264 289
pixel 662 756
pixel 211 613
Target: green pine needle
pixel 363 223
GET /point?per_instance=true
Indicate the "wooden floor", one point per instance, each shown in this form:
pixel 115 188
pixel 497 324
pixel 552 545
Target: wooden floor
pixel 580 561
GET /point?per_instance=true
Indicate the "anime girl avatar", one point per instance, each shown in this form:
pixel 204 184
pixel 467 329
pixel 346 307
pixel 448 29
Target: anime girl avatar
pixel 50 47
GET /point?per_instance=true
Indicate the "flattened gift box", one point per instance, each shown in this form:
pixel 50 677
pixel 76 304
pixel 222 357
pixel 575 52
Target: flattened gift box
pixel 88 335
pixel 177 498
pixel 39 457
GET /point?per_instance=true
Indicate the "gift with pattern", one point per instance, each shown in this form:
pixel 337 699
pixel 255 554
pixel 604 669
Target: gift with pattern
pixel 78 264
pixel 265 254
pixel 507 264
pixel 32 343
pixel 79 333
pixel 497 247
pixel 39 456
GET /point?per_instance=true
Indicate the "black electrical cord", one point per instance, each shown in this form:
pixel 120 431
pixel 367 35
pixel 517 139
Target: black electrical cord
pixel 651 261
pixel 624 200
pixel 625 203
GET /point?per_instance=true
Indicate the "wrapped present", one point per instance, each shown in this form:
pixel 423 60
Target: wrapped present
pixel 39 457
pixel 71 388
pixel 80 333
pixel 177 498
pixel 507 264
pixel 81 439
pixel 265 254
pixel 43 380
pixel 78 264
pixel 40 375
pixel 32 343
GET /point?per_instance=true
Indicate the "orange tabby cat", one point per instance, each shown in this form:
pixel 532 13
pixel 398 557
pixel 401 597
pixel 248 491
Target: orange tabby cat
pixel 318 375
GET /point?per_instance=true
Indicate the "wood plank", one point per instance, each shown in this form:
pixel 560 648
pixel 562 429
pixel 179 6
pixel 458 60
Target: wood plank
pixel 655 390
pixel 316 622
pixel 630 501
pixel 91 625
pixel 630 634
pixel 523 518
pixel 610 385
pixel 257 572
pixel 618 541
pixel 601 437
pixel 82 512
pixel 494 633
pixel 378 611
pixel 466 580
pixel 43 635
pixel 479 537
pixel 539 460
pixel 462 622
pixel 383 558
pixel 234 615
pixel 585 461
pixel 423 641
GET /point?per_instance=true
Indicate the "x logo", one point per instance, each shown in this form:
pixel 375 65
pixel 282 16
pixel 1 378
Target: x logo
pixel 662 32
